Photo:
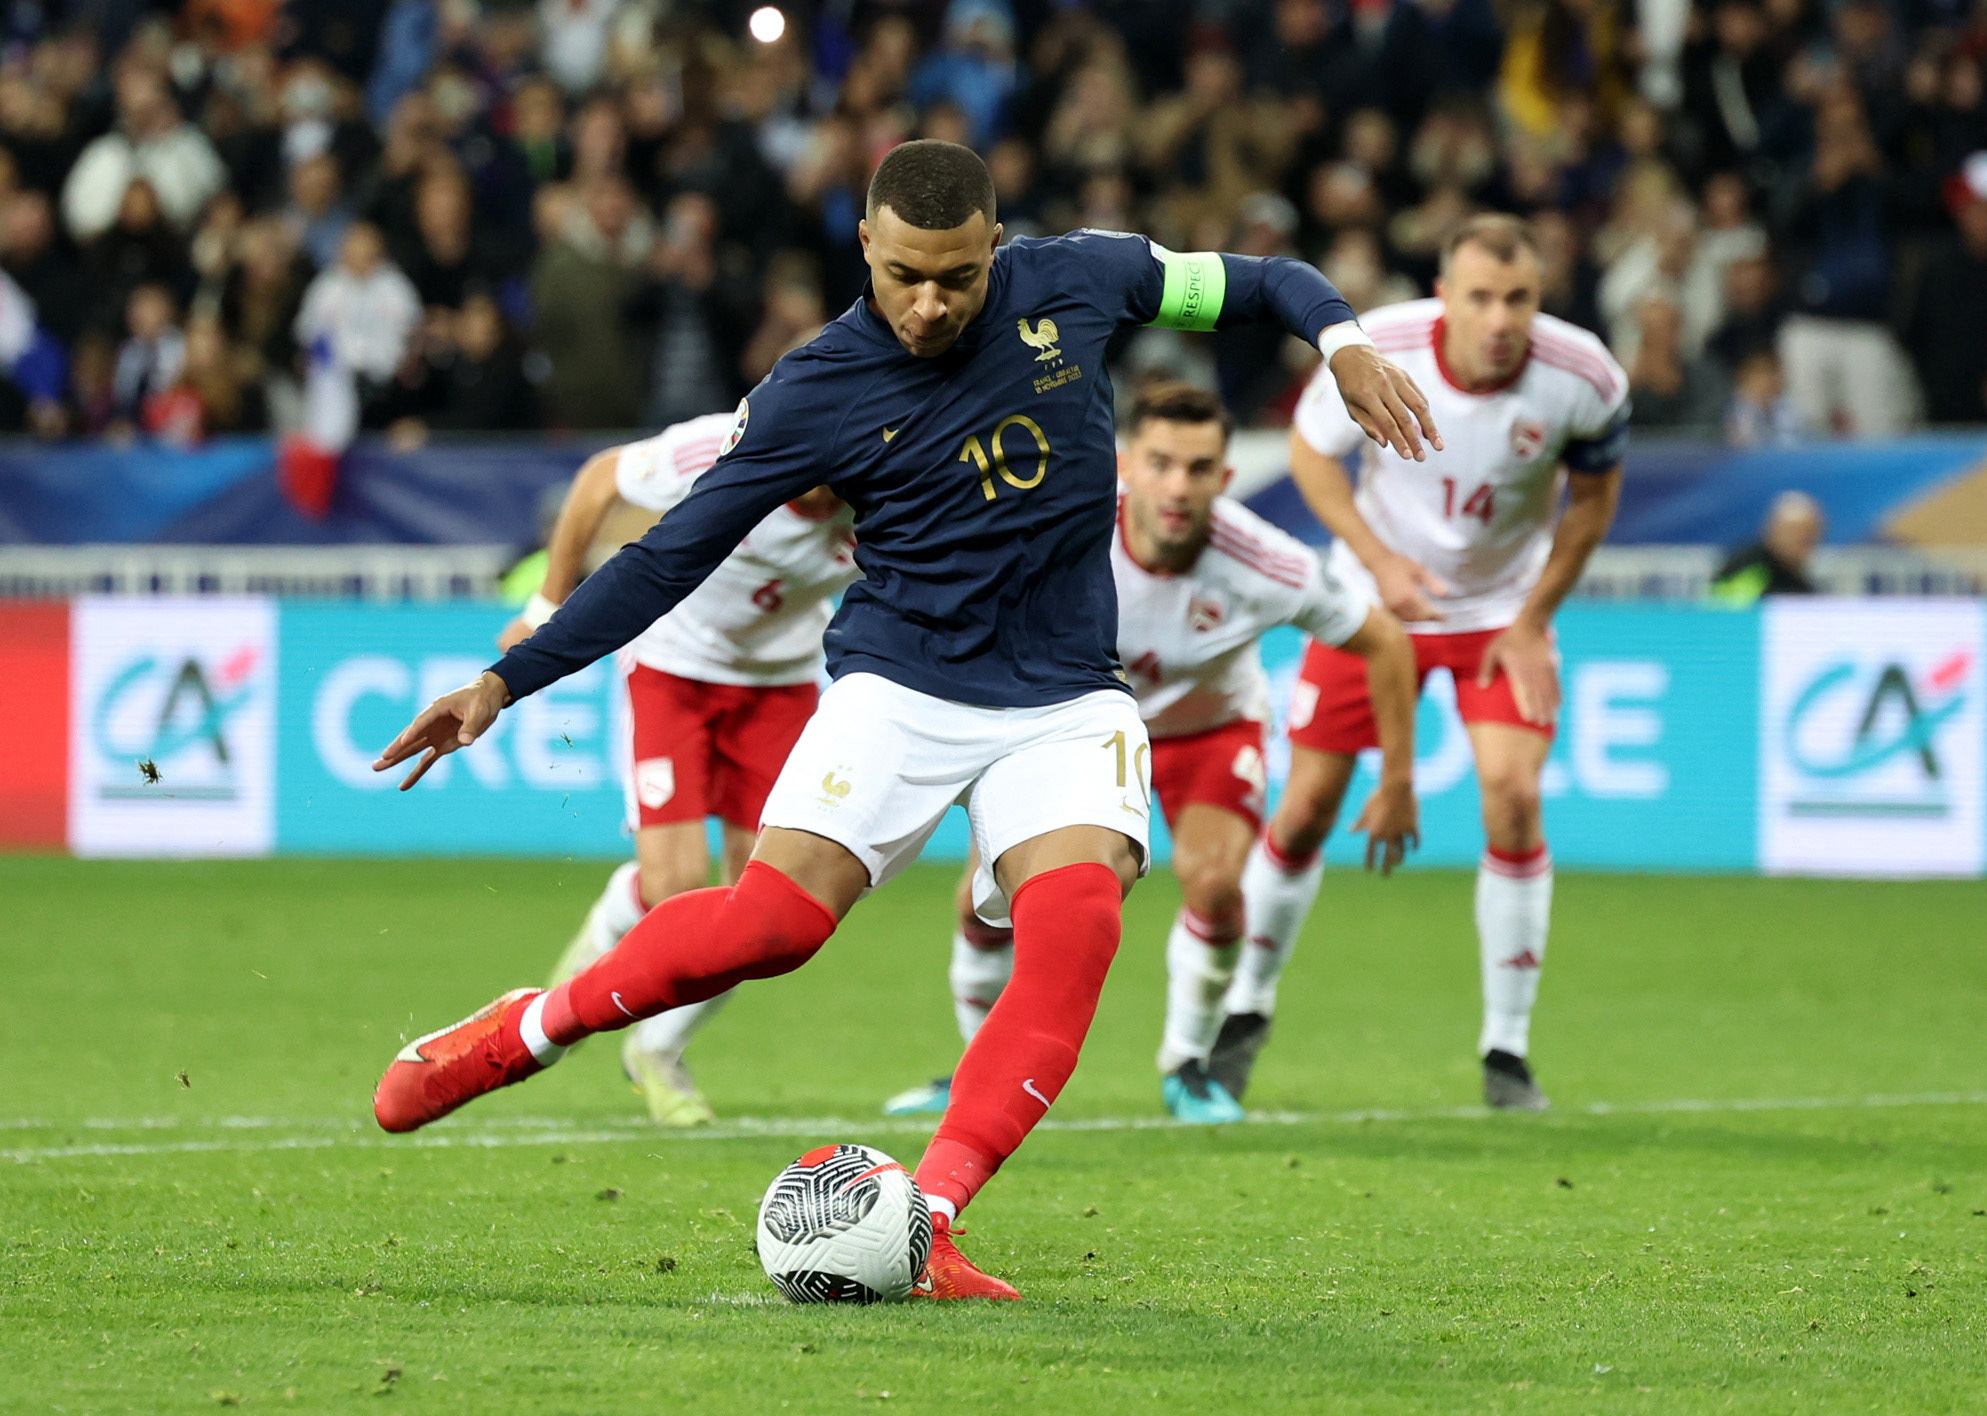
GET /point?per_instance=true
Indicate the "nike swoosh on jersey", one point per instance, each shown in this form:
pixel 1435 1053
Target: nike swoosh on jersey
pixel 622 1006
pixel 889 433
pixel 1029 1087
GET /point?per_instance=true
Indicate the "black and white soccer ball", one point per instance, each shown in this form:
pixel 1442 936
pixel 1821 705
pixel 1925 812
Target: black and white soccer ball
pixel 844 1224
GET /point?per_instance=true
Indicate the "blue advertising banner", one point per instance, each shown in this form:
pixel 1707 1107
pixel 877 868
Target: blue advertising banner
pixel 545 780
pixel 1652 764
pixel 1825 736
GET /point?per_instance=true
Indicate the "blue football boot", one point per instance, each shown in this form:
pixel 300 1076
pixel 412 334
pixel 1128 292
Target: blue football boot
pixel 1192 1095
pixel 928 1100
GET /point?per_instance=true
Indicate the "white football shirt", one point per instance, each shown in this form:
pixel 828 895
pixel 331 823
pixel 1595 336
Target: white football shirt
pixel 1481 512
pixel 1188 640
pixel 759 619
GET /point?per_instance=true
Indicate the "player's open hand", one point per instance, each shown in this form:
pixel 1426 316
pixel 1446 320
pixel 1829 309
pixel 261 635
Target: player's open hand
pixel 1525 654
pixel 513 634
pixel 1406 587
pixel 1384 401
pixel 454 720
pixel 1391 821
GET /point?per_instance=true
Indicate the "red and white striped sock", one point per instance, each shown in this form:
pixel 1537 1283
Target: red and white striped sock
pixel 982 963
pixel 1200 964
pixel 1513 911
pixel 1277 894
pixel 618 910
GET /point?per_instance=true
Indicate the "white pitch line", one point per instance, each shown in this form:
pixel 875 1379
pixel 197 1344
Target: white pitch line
pixel 506 1132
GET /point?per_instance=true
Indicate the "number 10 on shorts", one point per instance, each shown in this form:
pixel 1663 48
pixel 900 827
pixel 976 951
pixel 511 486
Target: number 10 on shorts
pixel 1137 765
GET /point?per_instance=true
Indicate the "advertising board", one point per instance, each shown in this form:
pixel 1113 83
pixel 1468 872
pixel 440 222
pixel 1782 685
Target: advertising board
pixel 172 726
pixel 1810 736
pixel 545 780
pixel 1870 737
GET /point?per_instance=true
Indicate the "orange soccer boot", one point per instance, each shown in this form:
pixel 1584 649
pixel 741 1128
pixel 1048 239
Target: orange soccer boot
pixel 950 1274
pixel 433 1075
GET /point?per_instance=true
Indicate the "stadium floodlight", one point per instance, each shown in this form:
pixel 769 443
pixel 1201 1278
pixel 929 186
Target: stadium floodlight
pixel 767 24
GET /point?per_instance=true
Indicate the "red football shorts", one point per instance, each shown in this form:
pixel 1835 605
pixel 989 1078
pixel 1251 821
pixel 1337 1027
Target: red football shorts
pixel 709 749
pixel 1221 767
pixel 1331 710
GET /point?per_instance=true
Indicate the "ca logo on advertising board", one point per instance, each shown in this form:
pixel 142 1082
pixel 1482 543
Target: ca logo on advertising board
pixel 1870 738
pixel 172 729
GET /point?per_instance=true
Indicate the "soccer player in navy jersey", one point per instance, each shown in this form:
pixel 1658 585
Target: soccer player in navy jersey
pixel 962 408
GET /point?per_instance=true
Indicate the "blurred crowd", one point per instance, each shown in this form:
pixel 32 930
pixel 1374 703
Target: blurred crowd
pixel 513 214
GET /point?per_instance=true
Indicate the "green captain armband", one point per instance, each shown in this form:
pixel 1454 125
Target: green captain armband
pixel 1196 283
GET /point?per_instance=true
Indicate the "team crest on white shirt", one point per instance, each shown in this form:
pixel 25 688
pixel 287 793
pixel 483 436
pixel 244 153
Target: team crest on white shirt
pixel 1528 438
pixel 1204 614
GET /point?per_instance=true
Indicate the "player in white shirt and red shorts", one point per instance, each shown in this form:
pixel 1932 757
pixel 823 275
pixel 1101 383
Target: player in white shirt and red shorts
pixel 718 691
pixel 1200 578
pixel 1471 549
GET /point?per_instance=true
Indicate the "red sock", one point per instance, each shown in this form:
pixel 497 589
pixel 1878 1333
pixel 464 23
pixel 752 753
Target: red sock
pixel 1066 926
pixel 691 947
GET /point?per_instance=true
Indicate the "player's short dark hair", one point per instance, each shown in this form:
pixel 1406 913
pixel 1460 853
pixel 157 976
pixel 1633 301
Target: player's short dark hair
pixel 1174 402
pixel 1501 235
pixel 933 186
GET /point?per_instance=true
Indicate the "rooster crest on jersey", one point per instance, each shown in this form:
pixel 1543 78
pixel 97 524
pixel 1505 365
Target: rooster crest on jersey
pixel 1042 338
pixel 844 1224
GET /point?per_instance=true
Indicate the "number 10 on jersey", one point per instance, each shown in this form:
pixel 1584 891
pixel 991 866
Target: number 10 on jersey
pixel 992 457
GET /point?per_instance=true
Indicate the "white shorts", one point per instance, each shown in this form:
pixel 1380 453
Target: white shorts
pixel 878 765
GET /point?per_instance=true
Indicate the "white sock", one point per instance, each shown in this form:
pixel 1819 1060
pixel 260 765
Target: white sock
pixel 982 962
pixel 1277 894
pixel 618 910
pixel 1200 964
pixel 531 1027
pixel 669 1032
pixel 620 903
pixel 1513 910
pixel 942 1208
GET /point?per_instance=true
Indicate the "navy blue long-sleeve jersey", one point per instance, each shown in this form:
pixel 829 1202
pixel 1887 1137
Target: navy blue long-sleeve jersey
pixel 983 481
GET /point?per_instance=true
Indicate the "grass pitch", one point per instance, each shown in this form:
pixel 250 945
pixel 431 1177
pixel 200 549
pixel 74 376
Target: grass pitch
pixel 1763 1188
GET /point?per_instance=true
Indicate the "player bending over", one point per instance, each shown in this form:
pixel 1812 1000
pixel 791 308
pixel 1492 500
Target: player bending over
pixel 718 691
pixel 963 409
pixel 1471 550
pixel 1200 578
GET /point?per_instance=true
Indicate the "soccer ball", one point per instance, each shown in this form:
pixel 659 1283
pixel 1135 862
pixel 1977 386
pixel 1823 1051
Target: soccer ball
pixel 844 1224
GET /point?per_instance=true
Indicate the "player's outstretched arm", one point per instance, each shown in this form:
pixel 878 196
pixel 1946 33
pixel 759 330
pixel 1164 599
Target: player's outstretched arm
pixel 452 721
pixel 1203 290
pixel 586 506
pixel 1391 817
pixel 783 436
pixel 1524 651
pixel 1388 406
pixel 641 583
pixel 1405 585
